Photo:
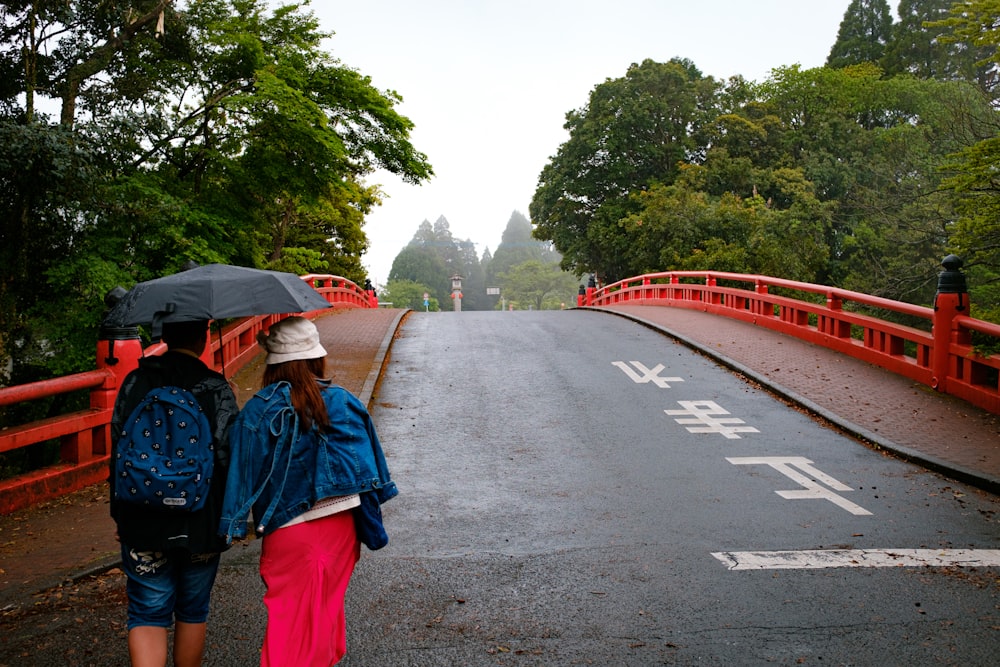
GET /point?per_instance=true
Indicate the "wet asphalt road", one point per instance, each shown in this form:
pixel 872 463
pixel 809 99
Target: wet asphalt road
pixel 552 512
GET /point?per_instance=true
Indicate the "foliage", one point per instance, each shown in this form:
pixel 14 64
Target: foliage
pixel 923 45
pixel 863 34
pixel 634 132
pixel 972 169
pixel 230 132
pixel 517 245
pixel 409 294
pixel 534 284
pixel 430 258
pixel 975 23
pixel 830 176
pixel 433 256
pixel 46 181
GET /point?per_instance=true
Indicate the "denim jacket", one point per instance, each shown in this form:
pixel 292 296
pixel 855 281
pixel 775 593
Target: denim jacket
pixel 279 472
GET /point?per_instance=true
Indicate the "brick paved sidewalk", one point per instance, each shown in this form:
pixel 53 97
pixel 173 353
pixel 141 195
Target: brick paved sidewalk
pixel 68 538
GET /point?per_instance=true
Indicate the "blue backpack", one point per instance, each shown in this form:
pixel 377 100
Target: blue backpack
pixel 165 453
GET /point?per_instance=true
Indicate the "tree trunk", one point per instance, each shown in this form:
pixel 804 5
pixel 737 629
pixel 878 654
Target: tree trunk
pixel 100 59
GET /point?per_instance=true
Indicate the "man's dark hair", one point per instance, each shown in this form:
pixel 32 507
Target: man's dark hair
pixel 186 335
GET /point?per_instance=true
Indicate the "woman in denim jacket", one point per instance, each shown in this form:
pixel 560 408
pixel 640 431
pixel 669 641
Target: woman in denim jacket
pixel 305 459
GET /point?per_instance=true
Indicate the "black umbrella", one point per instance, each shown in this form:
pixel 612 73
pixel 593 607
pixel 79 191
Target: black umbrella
pixel 213 292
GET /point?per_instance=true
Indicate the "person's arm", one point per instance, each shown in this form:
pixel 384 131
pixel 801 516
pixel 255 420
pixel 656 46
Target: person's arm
pixel 239 483
pixel 226 411
pixel 359 415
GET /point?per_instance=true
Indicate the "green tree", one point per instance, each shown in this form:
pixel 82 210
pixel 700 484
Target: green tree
pixel 635 131
pixel 683 228
pixel 420 264
pixel 972 180
pixel 534 284
pixel 330 233
pixel 433 256
pixel 975 22
pixel 864 32
pixel 473 278
pixel 924 46
pixel 230 132
pixel 871 149
pixel 972 169
pixel 517 245
pixel 409 294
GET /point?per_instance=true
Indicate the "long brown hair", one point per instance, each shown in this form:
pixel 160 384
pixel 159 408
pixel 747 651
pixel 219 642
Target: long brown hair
pixel 306 397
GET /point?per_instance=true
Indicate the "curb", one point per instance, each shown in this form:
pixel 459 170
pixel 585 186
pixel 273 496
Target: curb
pixel 368 389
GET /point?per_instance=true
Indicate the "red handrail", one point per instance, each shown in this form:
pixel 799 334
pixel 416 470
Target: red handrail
pixel 938 353
pixel 84 435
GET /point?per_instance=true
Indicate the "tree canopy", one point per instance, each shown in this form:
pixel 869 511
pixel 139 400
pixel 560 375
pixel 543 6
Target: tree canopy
pixel 634 132
pixel 141 134
pixel 433 257
pixel 854 175
pixel 972 168
pixel 863 34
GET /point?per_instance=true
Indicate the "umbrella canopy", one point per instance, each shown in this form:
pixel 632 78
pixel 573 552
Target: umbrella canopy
pixel 213 292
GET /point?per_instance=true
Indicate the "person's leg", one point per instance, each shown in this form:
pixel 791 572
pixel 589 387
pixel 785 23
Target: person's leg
pixel 189 644
pixel 147 646
pixel 195 579
pixel 150 590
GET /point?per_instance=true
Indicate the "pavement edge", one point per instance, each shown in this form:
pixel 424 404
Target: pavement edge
pixel 368 389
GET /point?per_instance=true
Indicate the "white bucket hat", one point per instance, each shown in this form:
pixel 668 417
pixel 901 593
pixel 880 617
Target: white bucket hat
pixel 290 339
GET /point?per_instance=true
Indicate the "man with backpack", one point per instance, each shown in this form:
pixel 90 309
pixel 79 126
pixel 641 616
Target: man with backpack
pixel 169 459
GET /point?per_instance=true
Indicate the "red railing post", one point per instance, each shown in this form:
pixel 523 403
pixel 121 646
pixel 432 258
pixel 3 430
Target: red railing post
pixel 760 287
pixel 591 288
pixel 372 296
pixel 952 299
pixel 713 296
pixel 118 351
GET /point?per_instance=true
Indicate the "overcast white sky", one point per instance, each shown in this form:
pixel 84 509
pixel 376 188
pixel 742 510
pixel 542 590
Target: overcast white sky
pixel 488 84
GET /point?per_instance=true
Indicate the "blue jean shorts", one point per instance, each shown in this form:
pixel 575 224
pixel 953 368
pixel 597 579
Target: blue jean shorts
pixel 166 586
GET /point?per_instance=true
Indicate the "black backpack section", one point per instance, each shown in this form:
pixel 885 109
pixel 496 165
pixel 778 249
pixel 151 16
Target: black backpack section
pixel 165 455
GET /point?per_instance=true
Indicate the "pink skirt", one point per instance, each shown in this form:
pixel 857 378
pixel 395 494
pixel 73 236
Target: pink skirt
pixel 306 568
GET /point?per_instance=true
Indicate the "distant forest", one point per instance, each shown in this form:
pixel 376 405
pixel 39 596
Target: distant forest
pixel 523 273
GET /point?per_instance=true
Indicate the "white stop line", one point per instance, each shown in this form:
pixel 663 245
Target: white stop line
pixel 814 560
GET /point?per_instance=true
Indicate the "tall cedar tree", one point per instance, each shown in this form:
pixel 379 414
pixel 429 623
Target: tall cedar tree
pixel 863 35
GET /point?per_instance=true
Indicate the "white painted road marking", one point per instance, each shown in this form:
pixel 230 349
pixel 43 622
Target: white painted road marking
pixel 786 466
pixel 648 374
pixel 705 413
pixel 814 560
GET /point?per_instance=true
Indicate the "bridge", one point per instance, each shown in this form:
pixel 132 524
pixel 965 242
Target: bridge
pixel 937 348
pixel 888 410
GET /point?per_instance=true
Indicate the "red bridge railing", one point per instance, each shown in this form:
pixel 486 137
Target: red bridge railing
pixel 937 351
pixel 84 435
